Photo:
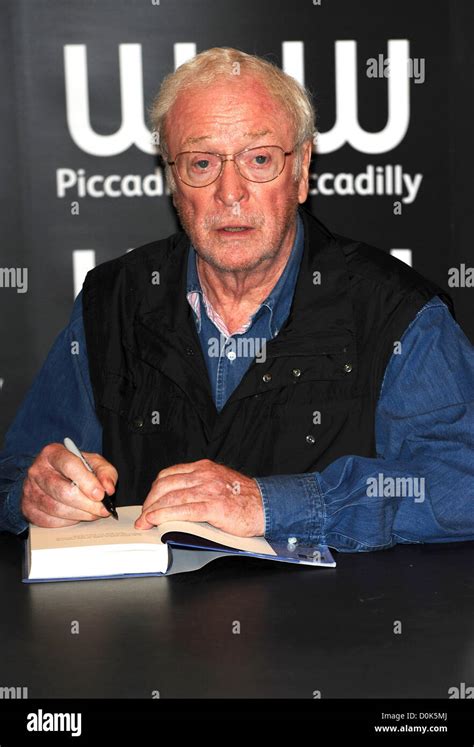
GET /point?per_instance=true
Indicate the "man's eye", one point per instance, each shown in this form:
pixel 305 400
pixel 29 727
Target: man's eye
pixel 261 160
pixel 201 165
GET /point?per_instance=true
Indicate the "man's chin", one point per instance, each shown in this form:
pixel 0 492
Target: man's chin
pixel 224 264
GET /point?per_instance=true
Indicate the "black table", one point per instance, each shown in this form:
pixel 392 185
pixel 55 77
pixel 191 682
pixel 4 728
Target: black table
pixel 301 629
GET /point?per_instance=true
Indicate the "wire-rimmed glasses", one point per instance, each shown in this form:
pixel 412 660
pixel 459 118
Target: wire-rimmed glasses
pixel 201 168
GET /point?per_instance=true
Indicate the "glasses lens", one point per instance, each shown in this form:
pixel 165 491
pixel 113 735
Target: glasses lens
pixel 261 164
pixel 197 169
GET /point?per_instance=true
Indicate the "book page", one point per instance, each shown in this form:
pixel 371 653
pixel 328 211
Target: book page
pixel 105 531
pixel 257 545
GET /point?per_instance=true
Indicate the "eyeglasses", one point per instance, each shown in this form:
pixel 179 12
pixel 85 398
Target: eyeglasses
pixel 201 168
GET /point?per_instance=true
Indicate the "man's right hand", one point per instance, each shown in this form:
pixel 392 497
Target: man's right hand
pixel 49 499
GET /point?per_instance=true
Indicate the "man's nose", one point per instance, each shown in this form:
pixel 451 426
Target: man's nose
pixel 231 187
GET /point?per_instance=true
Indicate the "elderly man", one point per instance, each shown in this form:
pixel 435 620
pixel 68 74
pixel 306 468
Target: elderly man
pixel 256 371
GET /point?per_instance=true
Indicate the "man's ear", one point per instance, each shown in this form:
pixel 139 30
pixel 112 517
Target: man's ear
pixel 303 185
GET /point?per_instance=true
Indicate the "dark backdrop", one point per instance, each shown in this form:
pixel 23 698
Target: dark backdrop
pixel 69 112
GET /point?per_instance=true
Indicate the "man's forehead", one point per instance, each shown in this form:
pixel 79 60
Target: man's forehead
pixel 226 103
pixel 211 121
pixel 249 135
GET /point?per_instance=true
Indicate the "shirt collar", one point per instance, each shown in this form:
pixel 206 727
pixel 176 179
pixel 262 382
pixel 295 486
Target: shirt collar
pixel 277 303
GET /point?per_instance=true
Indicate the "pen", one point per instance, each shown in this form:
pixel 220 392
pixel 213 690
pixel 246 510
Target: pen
pixel 107 500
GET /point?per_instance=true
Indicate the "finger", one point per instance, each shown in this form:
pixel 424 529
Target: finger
pixel 70 466
pixel 40 519
pixel 181 468
pixel 104 470
pixel 42 510
pixel 164 485
pixel 183 512
pixel 55 510
pixel 175 498
pixel 68 494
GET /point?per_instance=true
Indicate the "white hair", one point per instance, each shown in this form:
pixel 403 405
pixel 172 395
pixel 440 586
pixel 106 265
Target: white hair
pixel 225 62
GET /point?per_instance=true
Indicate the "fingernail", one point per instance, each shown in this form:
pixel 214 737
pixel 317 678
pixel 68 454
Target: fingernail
pixel 98 493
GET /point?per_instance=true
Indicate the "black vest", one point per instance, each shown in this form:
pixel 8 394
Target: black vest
pixel 312 400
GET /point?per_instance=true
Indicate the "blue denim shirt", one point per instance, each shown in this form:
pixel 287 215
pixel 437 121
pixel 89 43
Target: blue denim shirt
pixel 424 428
pixel 229 356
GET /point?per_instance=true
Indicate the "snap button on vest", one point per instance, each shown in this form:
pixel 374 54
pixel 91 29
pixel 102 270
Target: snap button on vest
pixel 310 439
pixel 267 377
pixel 296 373
pixel 138 422
pixel 348 367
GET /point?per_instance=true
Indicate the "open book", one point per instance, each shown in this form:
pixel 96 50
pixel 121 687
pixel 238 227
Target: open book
pixel 109 549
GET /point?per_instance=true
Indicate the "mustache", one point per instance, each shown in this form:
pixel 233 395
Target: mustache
pixel 213 222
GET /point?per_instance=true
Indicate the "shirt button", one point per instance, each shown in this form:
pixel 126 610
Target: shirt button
pixel 292 541
pixel 310 439
pixel 296 372
pixel 231 355
pixel 348 367
pixel 267 377
pixel 138 422
pixel 189 351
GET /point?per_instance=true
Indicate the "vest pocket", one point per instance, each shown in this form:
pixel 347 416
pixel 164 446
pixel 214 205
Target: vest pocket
pixel 145 410
pixel 308 436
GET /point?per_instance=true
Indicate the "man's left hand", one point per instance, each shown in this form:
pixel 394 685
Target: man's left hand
pixel 205 491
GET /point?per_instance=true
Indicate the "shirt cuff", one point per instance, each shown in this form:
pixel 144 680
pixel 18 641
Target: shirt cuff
pixel 293 507
pixel 11 518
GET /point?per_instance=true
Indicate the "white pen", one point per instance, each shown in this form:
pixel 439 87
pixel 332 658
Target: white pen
pixel 107 500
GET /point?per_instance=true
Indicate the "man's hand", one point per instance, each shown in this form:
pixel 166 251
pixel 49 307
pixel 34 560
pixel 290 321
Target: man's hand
pixel 205 491
pixel 49 499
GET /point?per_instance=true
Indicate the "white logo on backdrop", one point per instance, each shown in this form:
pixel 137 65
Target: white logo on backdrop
pixel 133 130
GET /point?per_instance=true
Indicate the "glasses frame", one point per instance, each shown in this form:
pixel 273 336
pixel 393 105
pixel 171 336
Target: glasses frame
pixel 230 157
